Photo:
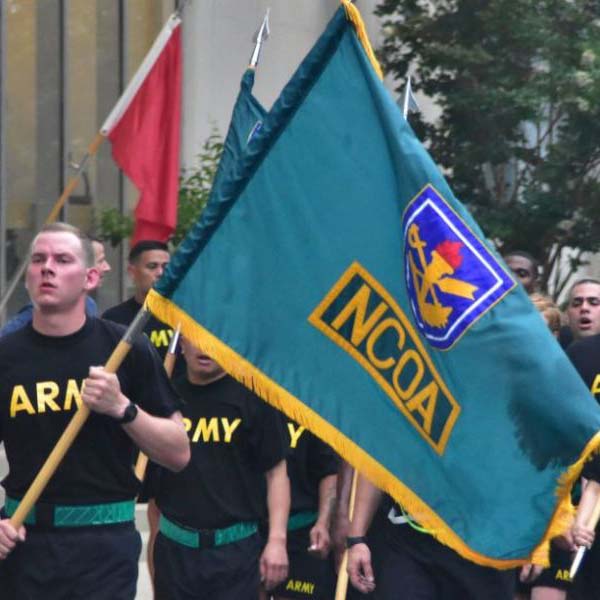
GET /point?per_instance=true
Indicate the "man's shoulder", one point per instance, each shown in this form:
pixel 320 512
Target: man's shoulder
pixel 14 346
pixel 18 321
pixel 225 390
pixel 121 312
pixel 16 335
pixel 108 325
pixel 584 345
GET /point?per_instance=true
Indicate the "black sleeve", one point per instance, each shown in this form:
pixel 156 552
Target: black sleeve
pixel 322 460
pixel 267 437
pixel 591 469
pixel 109 314
pixel 582 359
pixel 151 387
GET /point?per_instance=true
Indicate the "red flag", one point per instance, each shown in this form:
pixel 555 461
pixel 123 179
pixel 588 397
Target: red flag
pixel 144 128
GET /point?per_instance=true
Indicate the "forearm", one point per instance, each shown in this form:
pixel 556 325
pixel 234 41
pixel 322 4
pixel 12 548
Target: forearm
pixel 278 501
pixel 162 439
pixel 589 498
pixel 344 487
pixel 153 519
pixel 366 503
pixel 327 497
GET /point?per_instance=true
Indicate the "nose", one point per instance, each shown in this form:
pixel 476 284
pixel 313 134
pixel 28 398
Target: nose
pixel 48 265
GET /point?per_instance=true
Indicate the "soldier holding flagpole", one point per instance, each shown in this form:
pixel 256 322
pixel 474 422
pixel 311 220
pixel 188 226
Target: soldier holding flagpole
pixel 79 540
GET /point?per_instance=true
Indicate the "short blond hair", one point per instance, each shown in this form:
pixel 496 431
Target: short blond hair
pixel 89 257
pixel 549 310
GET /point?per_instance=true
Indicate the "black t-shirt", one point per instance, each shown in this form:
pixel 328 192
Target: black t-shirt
pixel 585 356
pixel 158 333
pixel 308 461
pixel 40 390
pixel 591 469
pixel 235 438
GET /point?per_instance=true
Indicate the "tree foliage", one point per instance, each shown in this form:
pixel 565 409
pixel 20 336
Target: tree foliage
pixel 518 83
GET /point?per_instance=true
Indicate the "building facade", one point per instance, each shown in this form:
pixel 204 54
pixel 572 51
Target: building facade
pixel 63 65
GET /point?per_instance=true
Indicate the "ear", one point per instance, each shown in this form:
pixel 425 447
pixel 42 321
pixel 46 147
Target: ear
pixel 92 279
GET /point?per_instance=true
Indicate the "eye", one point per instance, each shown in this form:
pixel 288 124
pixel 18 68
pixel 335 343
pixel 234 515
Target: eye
pixel 522 273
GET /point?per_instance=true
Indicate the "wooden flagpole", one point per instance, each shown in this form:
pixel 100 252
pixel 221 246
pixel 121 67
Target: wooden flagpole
pixel 341 587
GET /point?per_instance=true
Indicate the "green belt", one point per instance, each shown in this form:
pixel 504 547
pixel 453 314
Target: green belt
pixel 194 538
pixel 77 515
pixel 301 519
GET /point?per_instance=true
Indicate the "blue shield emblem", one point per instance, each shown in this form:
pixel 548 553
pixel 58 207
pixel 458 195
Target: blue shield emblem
pixel 451 276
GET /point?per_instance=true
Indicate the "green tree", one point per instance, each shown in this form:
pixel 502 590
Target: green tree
pixel 195 185
pixel 518 83
pixel 194 190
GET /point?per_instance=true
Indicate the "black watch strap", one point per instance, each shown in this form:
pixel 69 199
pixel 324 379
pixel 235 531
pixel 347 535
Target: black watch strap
pixel 353 540
pixel 129 415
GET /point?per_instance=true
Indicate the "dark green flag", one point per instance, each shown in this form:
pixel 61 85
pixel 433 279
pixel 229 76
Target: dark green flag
pixel 246 122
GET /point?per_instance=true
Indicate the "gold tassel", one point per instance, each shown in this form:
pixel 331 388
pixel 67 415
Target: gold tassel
pixel 354 16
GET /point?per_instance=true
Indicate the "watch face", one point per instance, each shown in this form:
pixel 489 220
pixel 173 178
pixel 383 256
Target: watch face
pixel 130 413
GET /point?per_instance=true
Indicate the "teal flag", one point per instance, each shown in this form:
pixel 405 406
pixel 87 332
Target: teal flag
pixel 336 274
pixel 246 121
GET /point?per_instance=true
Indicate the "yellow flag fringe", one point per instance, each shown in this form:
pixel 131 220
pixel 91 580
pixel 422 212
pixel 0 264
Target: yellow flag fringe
pixel 250 376
pixel 353 15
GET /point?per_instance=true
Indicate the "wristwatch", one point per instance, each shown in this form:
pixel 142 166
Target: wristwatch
pixel 129 415
pixel 353 540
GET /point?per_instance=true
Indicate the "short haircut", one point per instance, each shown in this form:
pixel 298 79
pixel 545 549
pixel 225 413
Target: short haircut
pixel 89 257
pixel 144 246
pixel 581 282
pixel 534 263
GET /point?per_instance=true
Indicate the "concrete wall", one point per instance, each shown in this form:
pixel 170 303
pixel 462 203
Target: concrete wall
pixel 217 47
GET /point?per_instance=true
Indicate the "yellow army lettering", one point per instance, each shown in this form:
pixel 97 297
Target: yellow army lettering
pixel 209 431
pixel 361 317
pixel 161 337
pixel 562 574
pixel 295 585
pixel 46 395
pixel 295 433
pixel 595 389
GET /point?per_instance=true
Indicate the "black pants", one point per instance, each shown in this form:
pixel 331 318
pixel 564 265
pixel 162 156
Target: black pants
pixel 378 548
pixel 309 576
pixel 586 585
pixel 84 563
pixel 228 572
pixel 417 567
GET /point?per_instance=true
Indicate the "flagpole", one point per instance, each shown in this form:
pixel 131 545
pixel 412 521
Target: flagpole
pixel 407 92
pixel 591 524
pixel 79 418
pixel 113 118
pixel 262 35
pixel 53 215
pixel 169 363
pixel 341 587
